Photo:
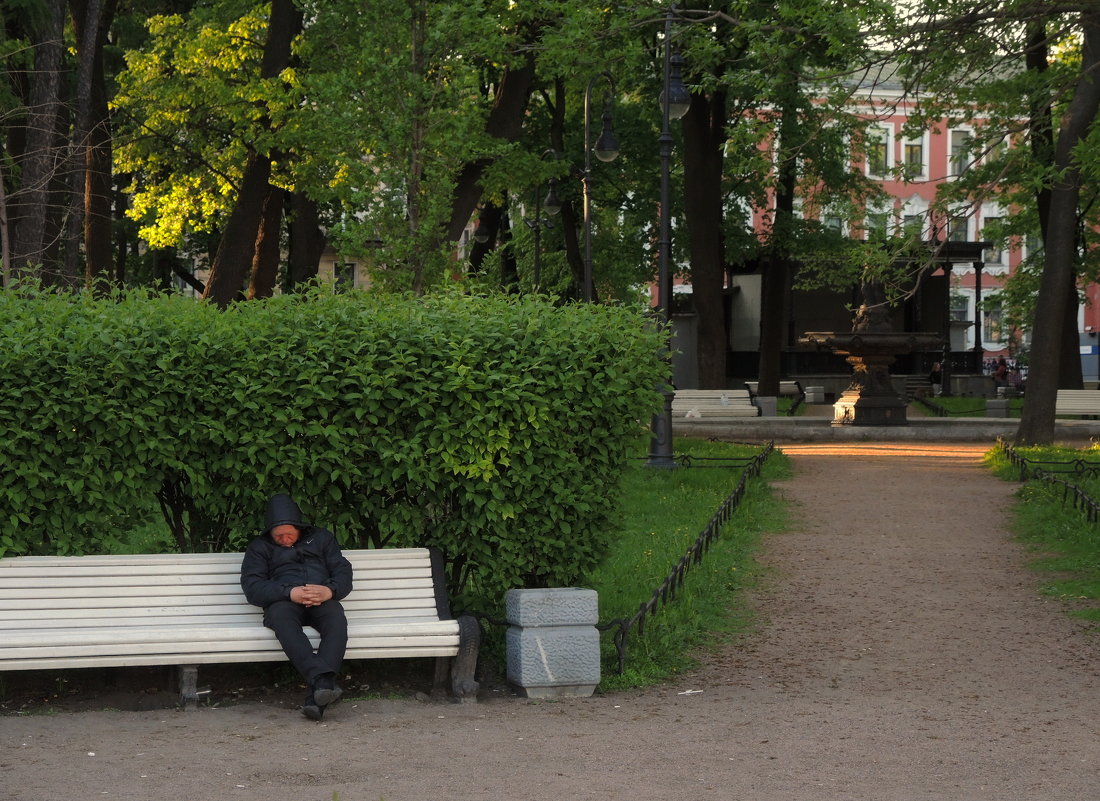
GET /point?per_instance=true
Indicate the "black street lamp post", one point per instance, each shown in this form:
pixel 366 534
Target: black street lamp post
pixel 675 100
pixel 607 148
pixel 552 206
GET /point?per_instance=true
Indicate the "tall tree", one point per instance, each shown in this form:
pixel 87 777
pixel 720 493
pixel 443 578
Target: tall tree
pixel 787 67
pixel 35 145
pixel 92 20
pixel 258 206
pixel 1032 115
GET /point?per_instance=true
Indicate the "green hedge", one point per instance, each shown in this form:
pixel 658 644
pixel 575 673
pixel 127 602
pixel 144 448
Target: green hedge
pixel 492 428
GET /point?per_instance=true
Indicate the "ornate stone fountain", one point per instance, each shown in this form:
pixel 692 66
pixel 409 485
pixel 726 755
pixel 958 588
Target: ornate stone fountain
pixel 871 347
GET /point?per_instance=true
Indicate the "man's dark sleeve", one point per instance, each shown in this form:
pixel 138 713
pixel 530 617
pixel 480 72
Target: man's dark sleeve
pixel 256 581
pixel 339 569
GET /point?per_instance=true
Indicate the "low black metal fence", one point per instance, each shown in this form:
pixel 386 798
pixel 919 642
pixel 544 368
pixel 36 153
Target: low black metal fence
pixel 1051 472
pixel 666 592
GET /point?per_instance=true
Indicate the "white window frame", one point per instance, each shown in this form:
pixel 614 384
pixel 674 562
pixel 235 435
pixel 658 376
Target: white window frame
pixel 954 169
pixel 922 142
pixel 874 132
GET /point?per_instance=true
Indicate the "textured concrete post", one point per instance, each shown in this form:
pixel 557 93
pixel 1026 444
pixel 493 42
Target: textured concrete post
pixel 553 645
pixel 996 407
pixel 767 405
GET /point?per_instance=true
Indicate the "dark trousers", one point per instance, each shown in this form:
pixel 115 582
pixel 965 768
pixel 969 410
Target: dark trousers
pixel 287 618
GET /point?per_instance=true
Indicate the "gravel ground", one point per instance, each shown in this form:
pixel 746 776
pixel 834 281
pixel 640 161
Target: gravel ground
pixel 902 652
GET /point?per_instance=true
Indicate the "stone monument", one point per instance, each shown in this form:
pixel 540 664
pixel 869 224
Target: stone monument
pixel 870 348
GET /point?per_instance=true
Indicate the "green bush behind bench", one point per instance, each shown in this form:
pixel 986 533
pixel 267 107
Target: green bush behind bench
pixel 493 428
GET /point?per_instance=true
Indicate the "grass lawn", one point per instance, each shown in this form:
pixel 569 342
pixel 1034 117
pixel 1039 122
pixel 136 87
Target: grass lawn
pixel 662 512
pixel 1065 545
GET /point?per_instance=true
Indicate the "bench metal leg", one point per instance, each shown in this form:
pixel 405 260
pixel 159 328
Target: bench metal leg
pixel 463 682
pixel 190 692
pixel 189 686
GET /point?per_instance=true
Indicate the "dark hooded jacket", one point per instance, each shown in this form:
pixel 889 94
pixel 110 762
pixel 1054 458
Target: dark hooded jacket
pixel 269 571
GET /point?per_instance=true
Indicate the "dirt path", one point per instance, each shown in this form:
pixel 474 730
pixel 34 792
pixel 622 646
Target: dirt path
pixel 903 653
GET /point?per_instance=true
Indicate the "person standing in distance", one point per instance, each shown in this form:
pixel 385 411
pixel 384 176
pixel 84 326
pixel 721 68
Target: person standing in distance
pixel 296 572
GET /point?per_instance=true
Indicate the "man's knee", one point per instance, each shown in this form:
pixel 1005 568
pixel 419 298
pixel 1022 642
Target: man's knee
pixel 282 613
pixel 331 615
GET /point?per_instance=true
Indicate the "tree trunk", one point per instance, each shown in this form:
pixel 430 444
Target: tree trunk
pixel 704 140
pixel 242 231
pixel 307 241
pixel 29 211
pixel 776 264
pixel 1069 367
pixel 1037 420
pixel 570 220
pixel 505 122
pixel 97 148
pixel 265 258
pixel 237 245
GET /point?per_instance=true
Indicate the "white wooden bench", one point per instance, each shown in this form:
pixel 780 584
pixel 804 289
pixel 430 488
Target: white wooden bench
pixel 188 609
pixel 1082 402
pixel 786 388
pixel 712 404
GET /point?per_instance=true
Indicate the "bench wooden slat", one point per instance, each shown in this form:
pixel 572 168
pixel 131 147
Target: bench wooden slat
pixel 368 556
pixel 172 651
pixel 170 618
pixel 29 588
pixel 180 634
pixel 415 650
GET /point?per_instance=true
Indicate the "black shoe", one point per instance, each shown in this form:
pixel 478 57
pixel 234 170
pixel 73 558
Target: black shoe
pixel 312 710
pixel 325 690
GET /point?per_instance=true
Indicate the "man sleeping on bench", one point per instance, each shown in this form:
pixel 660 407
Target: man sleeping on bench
pixel 297 573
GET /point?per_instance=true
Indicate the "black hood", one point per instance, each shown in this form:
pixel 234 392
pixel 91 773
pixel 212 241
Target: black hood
pixel 282 509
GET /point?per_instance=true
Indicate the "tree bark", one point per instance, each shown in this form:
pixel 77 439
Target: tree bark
pixel 704 141
pixel 29 207
pixel 570 220
pixel 505 122
pixel 240 237
pixel 265 258
pixel 97 146
pixel 307 241
pixel 776 264
pixel 1037 420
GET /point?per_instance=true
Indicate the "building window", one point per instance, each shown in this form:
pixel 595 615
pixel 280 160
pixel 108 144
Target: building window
pixel 958 229
pixel 960 307
pixel 833 223
pixel 960 152
pixel 878 152
pixel 912 226
pixel 914 158
pixel 992 320
pixel 876 225
pixel 344 273
pixel 994 254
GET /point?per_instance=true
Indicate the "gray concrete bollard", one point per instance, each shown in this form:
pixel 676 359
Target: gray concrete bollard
pixel 767 405
pixel 553 647
pixel 996 407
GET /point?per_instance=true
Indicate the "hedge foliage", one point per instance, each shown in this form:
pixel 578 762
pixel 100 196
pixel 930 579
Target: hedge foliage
pixel 493 428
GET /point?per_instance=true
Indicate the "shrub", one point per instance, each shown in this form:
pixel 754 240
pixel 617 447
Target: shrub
pixel 493 428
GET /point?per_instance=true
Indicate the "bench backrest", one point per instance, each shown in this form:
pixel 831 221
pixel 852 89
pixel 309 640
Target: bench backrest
pixel 1077 401
pixel 39 592
pixel 785 387
pixel 713 404
pixel 682 396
